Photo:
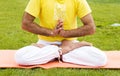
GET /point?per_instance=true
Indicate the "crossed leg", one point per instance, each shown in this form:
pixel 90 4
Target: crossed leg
pixel 82 53
pixel 86 55
pixel 78 53
pixel 33 55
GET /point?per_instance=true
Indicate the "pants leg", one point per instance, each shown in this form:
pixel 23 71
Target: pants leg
pixel 32 55
pixel 87 55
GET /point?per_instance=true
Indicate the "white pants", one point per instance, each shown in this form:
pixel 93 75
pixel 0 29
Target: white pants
pixel 86 55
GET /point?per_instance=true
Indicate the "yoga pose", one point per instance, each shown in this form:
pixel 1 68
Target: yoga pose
pixel 58 32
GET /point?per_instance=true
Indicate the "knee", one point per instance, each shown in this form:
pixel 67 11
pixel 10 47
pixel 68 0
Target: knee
pixel 22 55
pixel 20 59
pixel 31 55
pixel 102 60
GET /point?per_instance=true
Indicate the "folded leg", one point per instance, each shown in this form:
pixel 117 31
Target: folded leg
pixel 32 55
pixel 86 55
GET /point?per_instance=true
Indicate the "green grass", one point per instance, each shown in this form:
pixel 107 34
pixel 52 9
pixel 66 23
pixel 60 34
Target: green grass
pixel 58 72
pixel 105 13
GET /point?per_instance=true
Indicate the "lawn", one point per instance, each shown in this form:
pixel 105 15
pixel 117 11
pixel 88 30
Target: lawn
pixel 106 37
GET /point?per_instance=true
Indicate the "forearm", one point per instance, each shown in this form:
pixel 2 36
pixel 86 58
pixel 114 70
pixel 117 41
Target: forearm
pixel 82 31
pixel 87 28
pixel 28 24
pixel 36 29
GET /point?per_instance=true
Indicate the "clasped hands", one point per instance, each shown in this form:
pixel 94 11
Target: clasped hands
pixel 58 30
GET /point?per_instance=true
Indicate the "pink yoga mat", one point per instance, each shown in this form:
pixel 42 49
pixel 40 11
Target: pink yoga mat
pixel 7 61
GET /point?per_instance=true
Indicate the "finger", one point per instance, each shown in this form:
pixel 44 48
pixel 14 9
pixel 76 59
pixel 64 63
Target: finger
pixel 59 22
pixel 58 30
pixel 57 26
pixel 60 25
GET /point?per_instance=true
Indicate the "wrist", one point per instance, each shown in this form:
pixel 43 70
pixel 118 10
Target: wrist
pixel 45 31
pixel 51 33
pixel 64 33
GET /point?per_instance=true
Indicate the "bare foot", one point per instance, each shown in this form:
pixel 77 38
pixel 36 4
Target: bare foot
pixel 83 43
pixel 68 46
pixel 38 45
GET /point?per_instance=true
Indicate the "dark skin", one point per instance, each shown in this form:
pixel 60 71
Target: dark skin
pixel 88 28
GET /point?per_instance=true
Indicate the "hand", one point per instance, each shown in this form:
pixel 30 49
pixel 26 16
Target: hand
pixel 58 28
pixel 84 43
pixel 61 32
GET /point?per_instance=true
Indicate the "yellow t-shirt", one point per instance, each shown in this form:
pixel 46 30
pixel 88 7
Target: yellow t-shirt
pixel 50 11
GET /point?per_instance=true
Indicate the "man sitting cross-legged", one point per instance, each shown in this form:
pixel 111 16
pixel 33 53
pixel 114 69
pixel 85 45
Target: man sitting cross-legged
pixel 58 32
pixel 72 52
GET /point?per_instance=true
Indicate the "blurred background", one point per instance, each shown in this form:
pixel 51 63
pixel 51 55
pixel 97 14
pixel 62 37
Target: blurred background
pixel 106 13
